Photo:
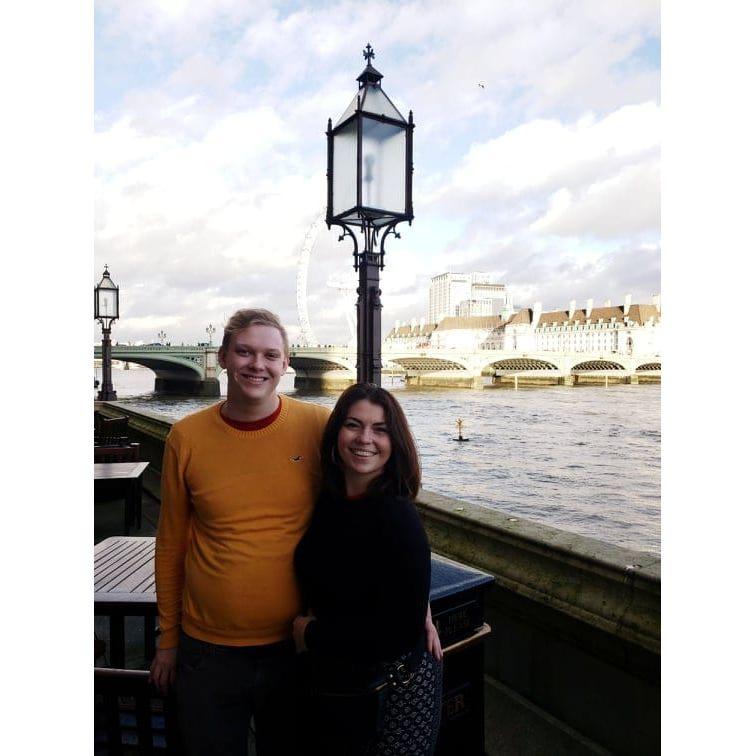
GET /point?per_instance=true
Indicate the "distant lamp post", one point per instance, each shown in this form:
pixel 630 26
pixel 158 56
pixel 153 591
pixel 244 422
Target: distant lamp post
pixel 162 335
pixel 369 187
pixel 106 311
pixel 210 330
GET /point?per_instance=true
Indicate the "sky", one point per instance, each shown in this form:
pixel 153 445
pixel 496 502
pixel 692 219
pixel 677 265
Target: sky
pixel 536 154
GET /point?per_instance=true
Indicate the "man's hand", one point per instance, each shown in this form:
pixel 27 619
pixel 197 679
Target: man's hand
pixel 432 641
pixel 163 669
pixel 300 625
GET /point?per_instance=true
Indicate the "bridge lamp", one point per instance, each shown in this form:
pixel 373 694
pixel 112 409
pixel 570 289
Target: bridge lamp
pixel 369 188
pixel 106 311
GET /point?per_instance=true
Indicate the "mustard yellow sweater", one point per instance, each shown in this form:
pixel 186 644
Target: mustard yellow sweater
pixel 234 506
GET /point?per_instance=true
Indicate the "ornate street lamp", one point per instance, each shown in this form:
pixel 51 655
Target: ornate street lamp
pixel 370 188
pixel 106 311
pixel 210 330
pixel 162 335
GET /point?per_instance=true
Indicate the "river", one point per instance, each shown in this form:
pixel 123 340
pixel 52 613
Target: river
pixel 584 459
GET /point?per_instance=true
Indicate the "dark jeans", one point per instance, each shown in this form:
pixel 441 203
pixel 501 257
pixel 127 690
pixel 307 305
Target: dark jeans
pixel 218 690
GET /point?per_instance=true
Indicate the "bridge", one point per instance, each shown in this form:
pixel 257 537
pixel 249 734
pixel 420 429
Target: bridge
pixel 179 370
pixel 194 370
pixel 333 367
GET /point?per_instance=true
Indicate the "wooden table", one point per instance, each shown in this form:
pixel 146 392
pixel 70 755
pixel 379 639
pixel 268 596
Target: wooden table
pixel 127 478
pixel 124 586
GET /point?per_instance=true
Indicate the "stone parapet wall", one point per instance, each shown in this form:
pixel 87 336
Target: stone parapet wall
pixel 613 589
pixel 575 651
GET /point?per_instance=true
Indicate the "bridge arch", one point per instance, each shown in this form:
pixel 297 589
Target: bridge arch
pixel 426 364
pixel 299 362
pixel 596 364
pixel 520 364
pixel 648 366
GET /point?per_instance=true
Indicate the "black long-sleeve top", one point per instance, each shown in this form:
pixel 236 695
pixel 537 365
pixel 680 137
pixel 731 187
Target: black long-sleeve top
pixel 364 570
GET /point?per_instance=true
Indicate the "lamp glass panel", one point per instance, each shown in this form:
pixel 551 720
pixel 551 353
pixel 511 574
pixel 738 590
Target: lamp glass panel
pixel 352 107
pixel 107 302
pixel 377 102
pixel 345 168
pixel 384 165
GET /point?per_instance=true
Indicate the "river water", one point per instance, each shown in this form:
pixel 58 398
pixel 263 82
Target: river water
pixel 583 459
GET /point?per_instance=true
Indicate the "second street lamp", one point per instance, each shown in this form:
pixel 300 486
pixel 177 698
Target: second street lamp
pixel 370 188
pixel 106 311
pixel 210 330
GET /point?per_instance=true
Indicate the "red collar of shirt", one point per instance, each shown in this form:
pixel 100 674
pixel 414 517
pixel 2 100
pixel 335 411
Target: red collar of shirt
pixel 254 424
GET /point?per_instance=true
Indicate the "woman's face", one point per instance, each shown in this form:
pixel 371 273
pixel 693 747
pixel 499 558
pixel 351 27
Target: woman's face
pixel 363 445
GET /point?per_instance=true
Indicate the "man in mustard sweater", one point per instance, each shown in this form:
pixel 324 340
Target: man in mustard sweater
pixel 238 486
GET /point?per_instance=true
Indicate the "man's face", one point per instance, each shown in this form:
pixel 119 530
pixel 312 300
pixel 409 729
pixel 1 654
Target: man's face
pixel 255 362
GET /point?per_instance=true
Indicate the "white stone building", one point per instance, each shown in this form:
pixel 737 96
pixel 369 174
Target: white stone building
pixel 626 329
pixel 465 294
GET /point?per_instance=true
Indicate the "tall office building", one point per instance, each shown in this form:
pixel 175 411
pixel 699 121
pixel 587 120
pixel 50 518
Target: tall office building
pixel 464 294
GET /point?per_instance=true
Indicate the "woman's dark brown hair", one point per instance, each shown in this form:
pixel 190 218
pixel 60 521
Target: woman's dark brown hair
pixel 401 475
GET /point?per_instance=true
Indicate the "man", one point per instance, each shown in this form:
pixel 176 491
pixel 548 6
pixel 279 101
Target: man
pixel 238 486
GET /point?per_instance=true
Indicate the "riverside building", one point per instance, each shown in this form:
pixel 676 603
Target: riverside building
pixel 623 329
pixel 466 295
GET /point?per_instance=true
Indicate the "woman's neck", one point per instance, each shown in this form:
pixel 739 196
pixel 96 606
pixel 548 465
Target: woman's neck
pixel 357 485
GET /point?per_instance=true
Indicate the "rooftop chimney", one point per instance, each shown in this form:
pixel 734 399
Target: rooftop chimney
pixel 656 302
pixel 537 310
pixel 626 306
pixel 572 309
pixel 588 308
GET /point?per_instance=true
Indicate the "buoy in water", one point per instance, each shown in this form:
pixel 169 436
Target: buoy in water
pixel 459 431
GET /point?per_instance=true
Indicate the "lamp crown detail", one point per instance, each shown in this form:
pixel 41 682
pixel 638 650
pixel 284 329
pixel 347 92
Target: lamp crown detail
pixel 370 75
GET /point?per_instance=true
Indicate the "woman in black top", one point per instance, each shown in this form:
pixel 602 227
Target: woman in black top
pixel 364 569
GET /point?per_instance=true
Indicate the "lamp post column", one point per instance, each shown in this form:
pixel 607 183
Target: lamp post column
pixel 369 316
pixel 106 394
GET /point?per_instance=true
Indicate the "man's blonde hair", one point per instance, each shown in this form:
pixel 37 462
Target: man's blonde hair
pixel 242 319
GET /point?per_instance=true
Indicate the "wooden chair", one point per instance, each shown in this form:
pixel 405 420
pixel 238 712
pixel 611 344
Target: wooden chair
pixel 131 717
pixel 111 426
pixel 116 453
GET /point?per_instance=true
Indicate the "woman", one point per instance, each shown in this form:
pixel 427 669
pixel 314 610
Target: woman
pixel 364 570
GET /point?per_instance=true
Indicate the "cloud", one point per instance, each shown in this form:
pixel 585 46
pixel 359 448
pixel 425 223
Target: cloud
pixel 210 151
pixel 626 204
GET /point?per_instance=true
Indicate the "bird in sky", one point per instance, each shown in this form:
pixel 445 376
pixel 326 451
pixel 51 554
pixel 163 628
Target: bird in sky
pixel 482 86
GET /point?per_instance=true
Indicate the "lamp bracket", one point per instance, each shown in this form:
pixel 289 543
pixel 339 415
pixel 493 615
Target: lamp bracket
pixel 371 234
pixel 347 230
